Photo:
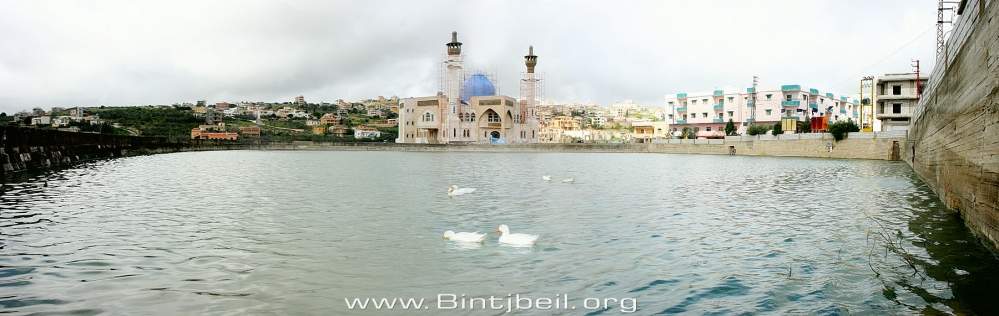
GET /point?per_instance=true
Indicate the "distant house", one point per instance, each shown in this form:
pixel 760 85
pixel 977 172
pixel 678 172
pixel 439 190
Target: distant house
pixel 250 131
pixel 213 132
pixel 197 133
pixel 61 121
pixel 338 130
pixel 366 132
pixel 41 120
pixel 319 129
pixel 329 119
pixel 375 112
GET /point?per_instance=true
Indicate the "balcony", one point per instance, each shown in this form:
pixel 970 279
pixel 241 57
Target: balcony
pixel 681 121
pixel 790 87
pixel 813 105
pixel 813 91
pixel 718 120
pixel 718 107
pixel 842 111
pixel 681 109
pixel 794 103
pixel 750 103
pixel 719 93
pixel 681 95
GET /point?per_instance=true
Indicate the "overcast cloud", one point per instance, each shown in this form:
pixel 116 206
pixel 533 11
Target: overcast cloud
pixel 68 53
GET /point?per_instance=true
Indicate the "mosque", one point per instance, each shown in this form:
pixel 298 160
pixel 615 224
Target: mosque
pixel 468 110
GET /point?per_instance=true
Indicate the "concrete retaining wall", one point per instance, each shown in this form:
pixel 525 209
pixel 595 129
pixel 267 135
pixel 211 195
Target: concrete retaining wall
pixel 953 142
pixel 870 147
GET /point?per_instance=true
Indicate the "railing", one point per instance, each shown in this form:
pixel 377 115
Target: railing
pixel 719 93
pixel 681 109
pixel 842 111
pixel 790 87
pixel 719 120
pixel 681 121
pixel 718 107
pixel 814 105
pixel 681 95
pixel 793 103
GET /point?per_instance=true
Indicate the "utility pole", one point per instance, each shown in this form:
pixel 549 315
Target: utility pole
pixel 941 7
pixel 752 101
pixel 867 117
pixel 919 84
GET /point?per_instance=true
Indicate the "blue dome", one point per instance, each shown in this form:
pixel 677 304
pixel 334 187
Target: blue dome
pixel 477 85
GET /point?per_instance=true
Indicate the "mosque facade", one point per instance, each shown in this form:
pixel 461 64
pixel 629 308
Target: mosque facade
pixel 468 109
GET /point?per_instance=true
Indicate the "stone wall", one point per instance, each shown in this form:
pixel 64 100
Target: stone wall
pixel 856 146
pixel 25 149
pixel 953 140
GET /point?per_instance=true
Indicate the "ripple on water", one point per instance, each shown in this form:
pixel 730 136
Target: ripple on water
pixel 291 232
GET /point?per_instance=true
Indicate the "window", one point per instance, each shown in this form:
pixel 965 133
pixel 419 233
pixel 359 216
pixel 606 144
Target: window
pixel 769 111
pixel 693 101
pixel 493 117
pixel 670 102
pixel 704 100
pixel 896 90
pixel 730 99
pixel 704 115
pixel 896 108
pixel 671 116
pixel 721 115
pixel 787 97
pixel 709 128
pixel 731 114
pixel 769 96
pixel 428 117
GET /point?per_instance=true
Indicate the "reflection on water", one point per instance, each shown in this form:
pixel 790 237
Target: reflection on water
pixel 296 232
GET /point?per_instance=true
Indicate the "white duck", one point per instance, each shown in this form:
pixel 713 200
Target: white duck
pixel 464 236
pixel 515 239
pixel 454 190
pixel 546 178
pixel 568 180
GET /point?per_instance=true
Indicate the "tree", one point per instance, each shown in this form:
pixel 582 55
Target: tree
pixel 840 129
pixel 757 130
pixel 804 127
pixel 730 128
pixel 777 130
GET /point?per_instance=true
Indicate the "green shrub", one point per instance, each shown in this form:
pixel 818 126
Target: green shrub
pixel 757 130
pixel 730 128
pixel 839 129
pixel 777 130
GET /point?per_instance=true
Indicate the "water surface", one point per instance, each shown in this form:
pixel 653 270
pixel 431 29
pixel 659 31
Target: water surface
pixel 283 232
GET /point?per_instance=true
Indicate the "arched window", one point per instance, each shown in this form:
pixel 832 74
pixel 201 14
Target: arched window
pixel 428 117
pixel 492 117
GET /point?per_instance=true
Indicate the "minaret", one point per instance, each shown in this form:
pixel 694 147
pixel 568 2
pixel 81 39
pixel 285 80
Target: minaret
pixel 529 94
pixel 530 60
pixel 453 77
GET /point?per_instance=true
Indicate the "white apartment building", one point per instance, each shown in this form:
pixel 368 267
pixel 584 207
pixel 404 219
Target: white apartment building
pixel 897 97
pixel 709 112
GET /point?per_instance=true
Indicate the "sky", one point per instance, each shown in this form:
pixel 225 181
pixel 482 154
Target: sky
pixel 114 53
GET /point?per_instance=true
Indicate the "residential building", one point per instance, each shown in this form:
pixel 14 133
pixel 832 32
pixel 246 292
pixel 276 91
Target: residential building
pixel 41 120
pixel 648 131
pixel 897 96
pixel 706 114
pixel 250 131
pixel 366 132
